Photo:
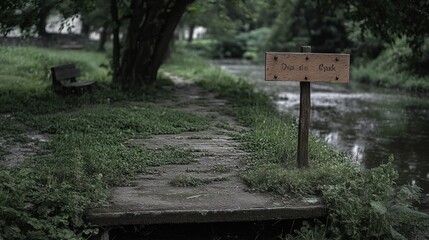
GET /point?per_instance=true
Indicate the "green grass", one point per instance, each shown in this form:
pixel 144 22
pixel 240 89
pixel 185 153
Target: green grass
pixel 272 137
pixel 356 199
pixel 226 126
pixel 190 181
pixel 45 197
pixel 221 169
pixel 215 169
pixel 391 70
pixel 29 67
pixel 3 153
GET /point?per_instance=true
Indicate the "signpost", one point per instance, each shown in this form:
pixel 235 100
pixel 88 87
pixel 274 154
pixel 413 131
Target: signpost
pixel 306 67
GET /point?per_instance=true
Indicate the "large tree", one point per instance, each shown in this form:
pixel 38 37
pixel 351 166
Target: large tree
pixel 151 24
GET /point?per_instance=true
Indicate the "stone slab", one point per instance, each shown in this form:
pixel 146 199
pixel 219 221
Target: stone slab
pixel 151 198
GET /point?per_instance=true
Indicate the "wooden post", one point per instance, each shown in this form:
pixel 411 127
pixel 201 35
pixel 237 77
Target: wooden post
pixel 304 119
pixel 306 67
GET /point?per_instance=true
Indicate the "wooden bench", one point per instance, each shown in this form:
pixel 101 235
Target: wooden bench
pixel 68 74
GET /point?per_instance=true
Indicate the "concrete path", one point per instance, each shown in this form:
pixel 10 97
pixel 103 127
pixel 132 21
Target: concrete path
pixel 217 194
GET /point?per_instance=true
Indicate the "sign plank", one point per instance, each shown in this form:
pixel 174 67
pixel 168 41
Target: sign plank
pixel 307 67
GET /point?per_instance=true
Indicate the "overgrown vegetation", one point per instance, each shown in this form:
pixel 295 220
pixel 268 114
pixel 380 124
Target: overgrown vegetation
pixel 363 204
pixel 249 45
pixel 190 181
pixel 249 30
pixel 44 198
pixel 29 68
pixel 396 67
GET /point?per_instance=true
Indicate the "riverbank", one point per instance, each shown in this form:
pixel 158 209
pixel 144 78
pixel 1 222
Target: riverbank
pixel 391 70
pixel 355 196
pixel 73 150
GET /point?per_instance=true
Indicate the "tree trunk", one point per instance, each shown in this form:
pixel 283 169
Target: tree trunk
pixel 191 32
pixel 103 37
pixel 86 28
pixel 116 40
pixel 150 30
pixel 169 50
pixel 42 15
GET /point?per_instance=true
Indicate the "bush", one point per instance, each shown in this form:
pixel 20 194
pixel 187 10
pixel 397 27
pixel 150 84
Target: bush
pixel 249 45
pixel 256 41
pixel 203 47
pixel 229 48
pixel 393 68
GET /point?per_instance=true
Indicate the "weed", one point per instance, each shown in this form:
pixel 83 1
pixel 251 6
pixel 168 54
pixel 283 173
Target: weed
pixel 308 232
pixel 224 125
pixel 186 181
pixel 171 155
pixel 221 169
pixel 190 181
pixel 206 154
pixel 215 169
pixel 370 199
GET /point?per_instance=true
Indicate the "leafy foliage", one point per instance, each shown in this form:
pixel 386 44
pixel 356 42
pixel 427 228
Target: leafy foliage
pixel 239 29
pixel 369 206
pixel 388 19
pixel 304 23
pixel 394 68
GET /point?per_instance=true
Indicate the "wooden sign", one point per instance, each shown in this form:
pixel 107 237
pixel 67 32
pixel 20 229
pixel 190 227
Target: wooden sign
pixel 307 67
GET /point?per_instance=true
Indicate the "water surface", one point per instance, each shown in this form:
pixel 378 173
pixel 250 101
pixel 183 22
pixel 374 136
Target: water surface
pixel 369 124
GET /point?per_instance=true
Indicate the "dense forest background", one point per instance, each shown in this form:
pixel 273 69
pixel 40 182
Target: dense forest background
pixel 362 29
pixel 375 33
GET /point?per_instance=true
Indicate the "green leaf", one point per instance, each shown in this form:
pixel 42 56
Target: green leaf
pixel 43 209
pixel 378 207
pixel 396 235
pixel 406 210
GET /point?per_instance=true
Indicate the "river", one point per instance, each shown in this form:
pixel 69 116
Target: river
pixel 369 124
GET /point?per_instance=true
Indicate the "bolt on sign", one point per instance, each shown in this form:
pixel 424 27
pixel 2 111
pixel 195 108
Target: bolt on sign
pixel 306 67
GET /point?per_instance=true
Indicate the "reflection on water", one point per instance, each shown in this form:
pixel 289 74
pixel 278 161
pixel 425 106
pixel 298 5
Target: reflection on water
pixel 367 124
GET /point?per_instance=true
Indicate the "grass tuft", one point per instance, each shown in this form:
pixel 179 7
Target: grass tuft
pixel 190 181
